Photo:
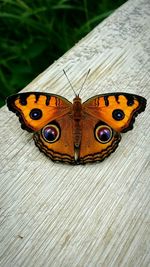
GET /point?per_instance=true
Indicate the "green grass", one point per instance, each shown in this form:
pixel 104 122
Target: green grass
pixel 35 33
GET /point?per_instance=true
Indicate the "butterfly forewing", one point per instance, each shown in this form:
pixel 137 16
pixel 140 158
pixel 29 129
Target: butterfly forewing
pixel 35 110
pixel 118 110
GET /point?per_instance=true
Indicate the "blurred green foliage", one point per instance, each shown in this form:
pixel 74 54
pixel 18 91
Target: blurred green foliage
pixel 35 33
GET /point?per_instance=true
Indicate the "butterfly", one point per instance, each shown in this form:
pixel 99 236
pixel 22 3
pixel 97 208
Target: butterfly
pixel 76 133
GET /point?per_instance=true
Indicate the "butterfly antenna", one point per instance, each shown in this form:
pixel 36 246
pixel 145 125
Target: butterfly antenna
pixel 69 82
pixel 84 81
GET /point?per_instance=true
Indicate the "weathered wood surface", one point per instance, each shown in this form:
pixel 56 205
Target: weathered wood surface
pixel 94 215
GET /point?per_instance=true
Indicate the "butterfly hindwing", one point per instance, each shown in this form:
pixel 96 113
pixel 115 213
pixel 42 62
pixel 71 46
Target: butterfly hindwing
pixel 90 150
pixel 118 110
pixel 93 149
pixel 60 148
pixel 36 109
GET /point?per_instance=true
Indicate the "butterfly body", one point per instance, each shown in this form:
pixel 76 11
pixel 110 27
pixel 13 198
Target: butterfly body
pixel 76 133
pixel 77 118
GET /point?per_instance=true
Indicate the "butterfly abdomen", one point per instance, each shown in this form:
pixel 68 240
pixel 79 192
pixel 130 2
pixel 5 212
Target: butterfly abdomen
pixel 77 133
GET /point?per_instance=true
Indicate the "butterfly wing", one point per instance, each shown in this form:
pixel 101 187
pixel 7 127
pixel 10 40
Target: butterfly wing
pixel 63 148
pixel 98 142
pixel 118 110
pixel 60 148
pixel 36 109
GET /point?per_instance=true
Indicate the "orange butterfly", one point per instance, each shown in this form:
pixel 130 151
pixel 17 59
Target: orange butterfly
pixel 77 132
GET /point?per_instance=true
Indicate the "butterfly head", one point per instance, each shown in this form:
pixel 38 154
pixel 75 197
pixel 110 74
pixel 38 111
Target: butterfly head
pixel 77 99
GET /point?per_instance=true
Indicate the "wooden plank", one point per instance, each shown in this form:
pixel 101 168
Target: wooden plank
pixel 94 215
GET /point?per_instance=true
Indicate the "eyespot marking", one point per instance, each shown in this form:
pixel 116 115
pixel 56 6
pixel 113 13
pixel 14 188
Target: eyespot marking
pixel 51 133
pixel 23 101
pixel 130 100
pixel 118 114
pixel 35 114
pixel 103 134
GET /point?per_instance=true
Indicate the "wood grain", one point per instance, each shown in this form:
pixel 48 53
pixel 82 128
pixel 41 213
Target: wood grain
pixel 94 215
